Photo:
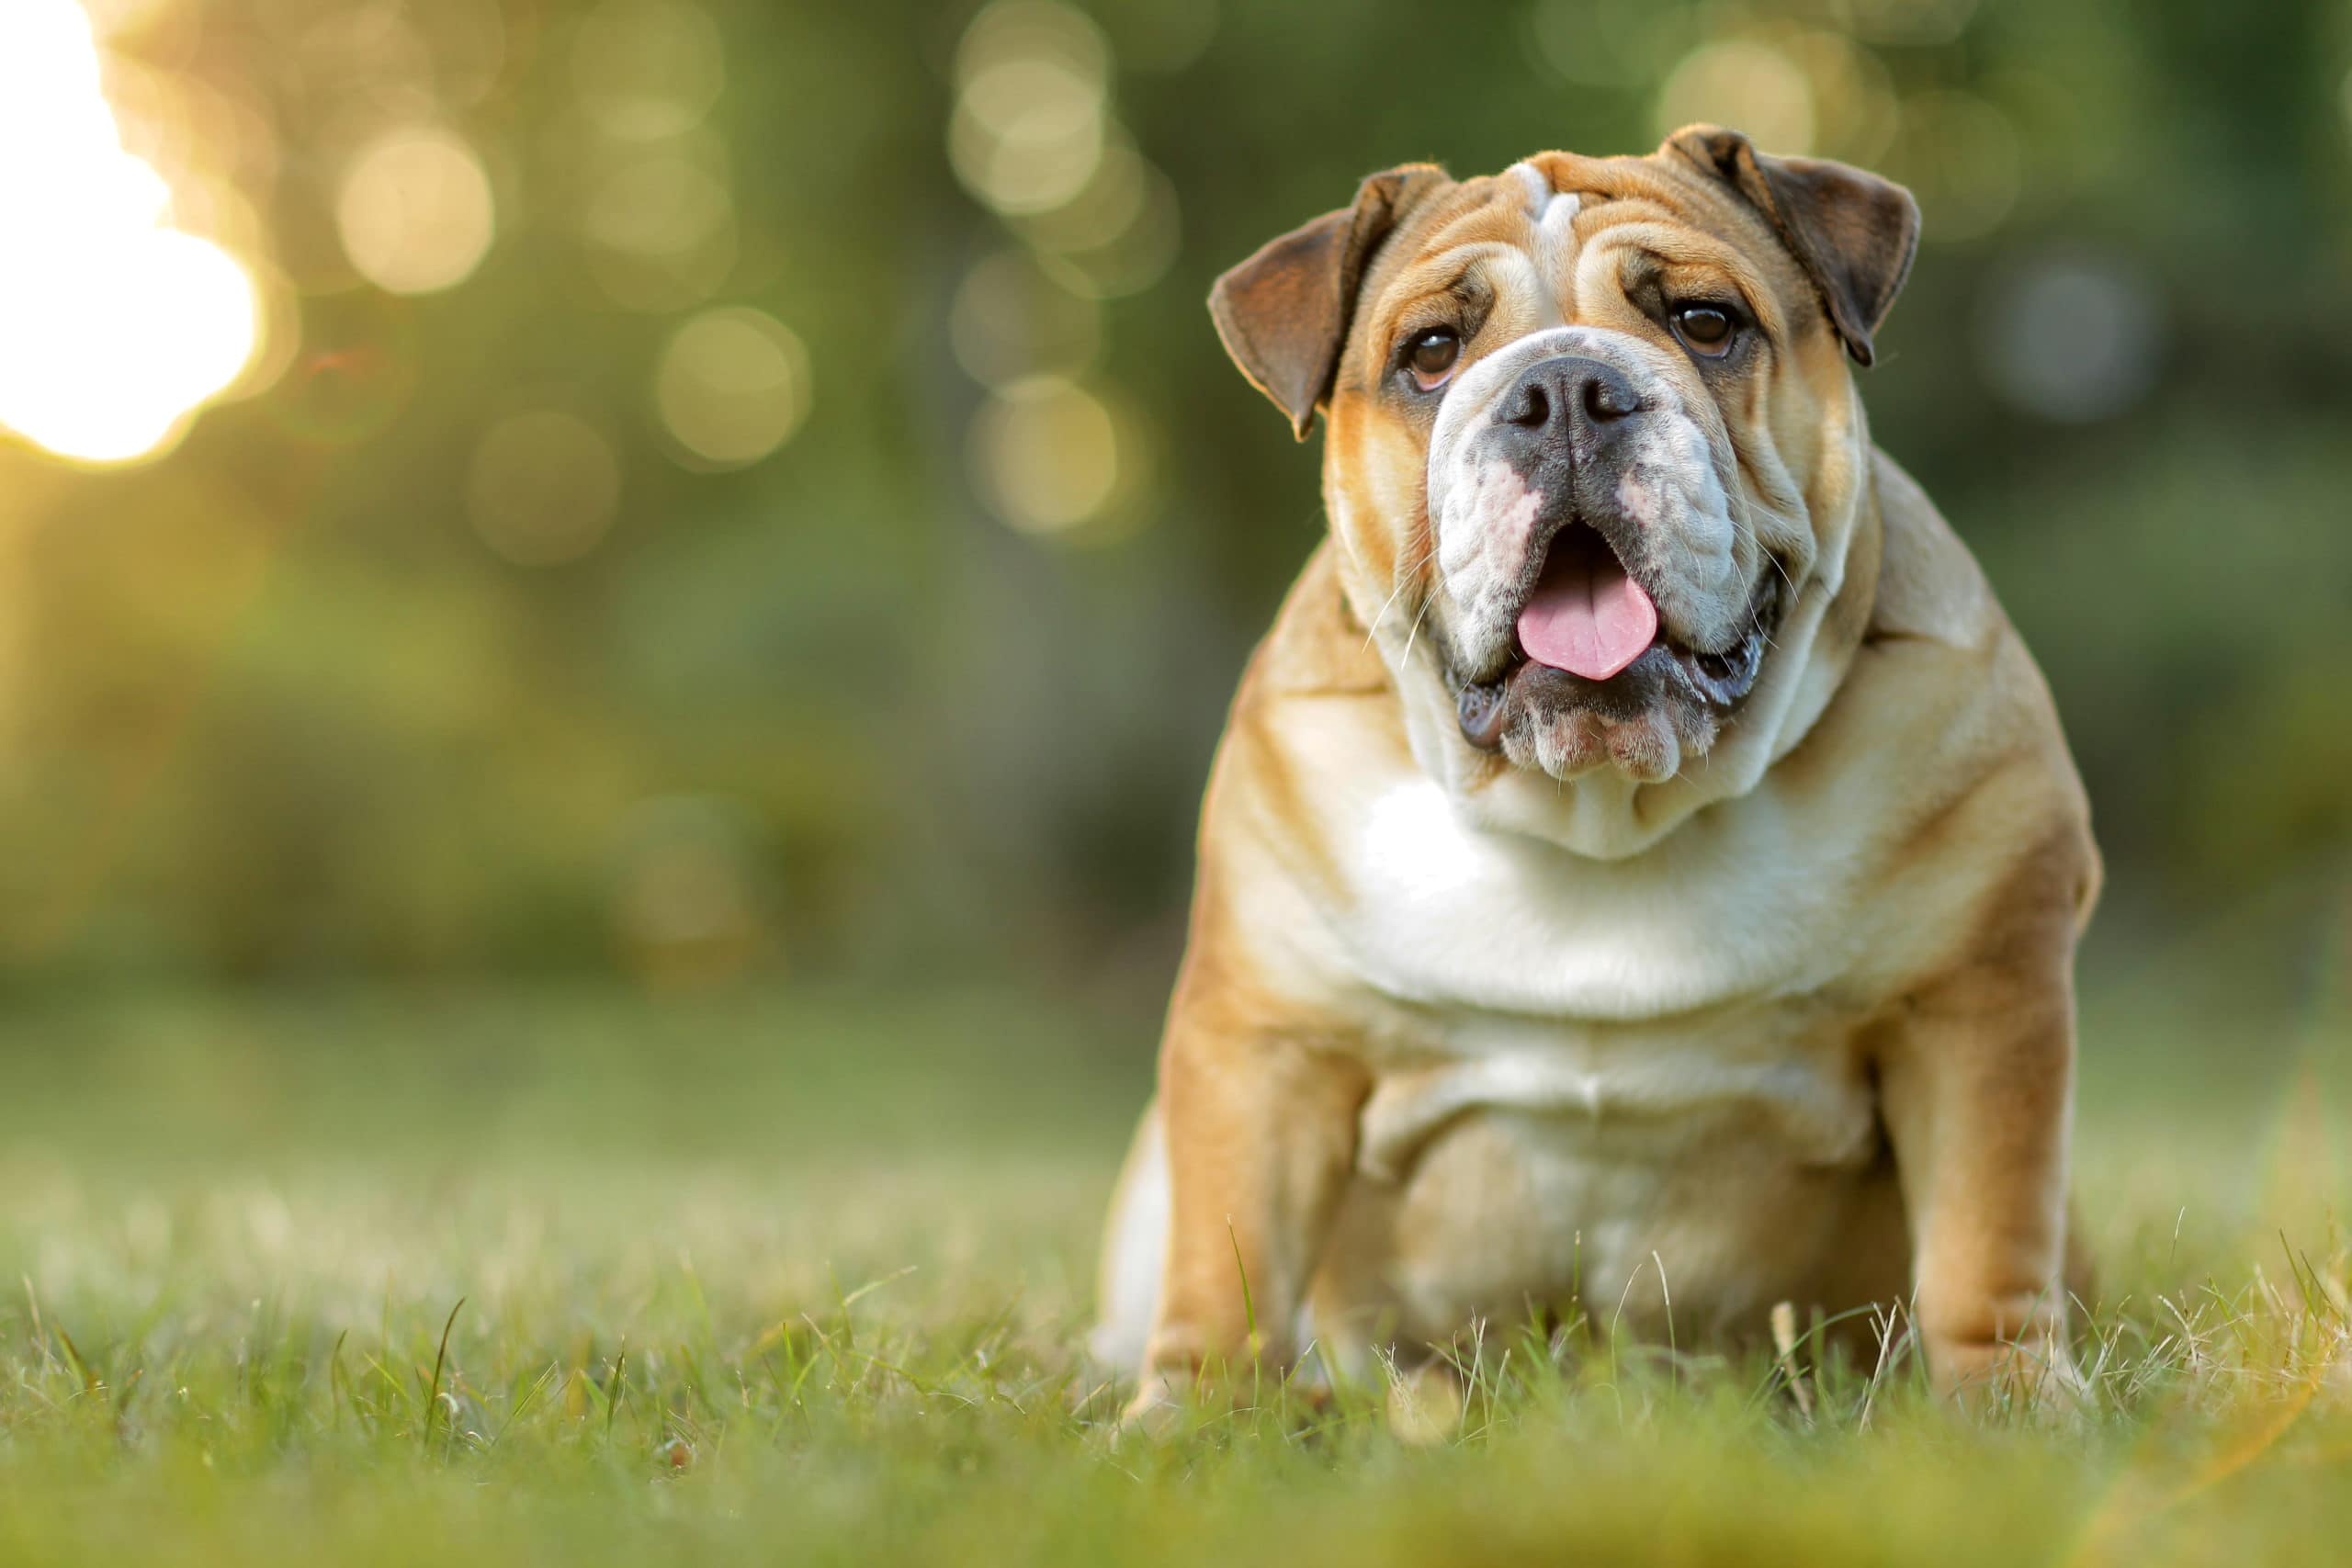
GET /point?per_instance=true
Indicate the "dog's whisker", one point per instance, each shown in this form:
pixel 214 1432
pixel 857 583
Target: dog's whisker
pixel 1404 581
pixel 1415 632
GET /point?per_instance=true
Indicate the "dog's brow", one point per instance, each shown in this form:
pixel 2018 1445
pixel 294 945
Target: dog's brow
pixel 1753 290
pixel 1446 273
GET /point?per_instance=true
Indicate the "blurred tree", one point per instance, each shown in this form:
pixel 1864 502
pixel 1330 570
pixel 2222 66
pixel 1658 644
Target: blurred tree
pixel 734 485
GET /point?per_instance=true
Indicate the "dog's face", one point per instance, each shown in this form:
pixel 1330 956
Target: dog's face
pixel 1593 446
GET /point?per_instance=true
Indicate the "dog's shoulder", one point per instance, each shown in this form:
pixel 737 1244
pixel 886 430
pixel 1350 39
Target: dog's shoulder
pixel 1312 719
pixel 1947 723
pixel 1313 735
pixel 1929 587
pixel 1940 663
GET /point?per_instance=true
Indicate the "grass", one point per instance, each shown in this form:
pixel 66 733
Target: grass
pixel 514 1278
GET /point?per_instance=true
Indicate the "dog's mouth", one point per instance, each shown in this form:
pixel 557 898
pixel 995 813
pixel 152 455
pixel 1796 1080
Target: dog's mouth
pixel 1586 615
pixel 1589 633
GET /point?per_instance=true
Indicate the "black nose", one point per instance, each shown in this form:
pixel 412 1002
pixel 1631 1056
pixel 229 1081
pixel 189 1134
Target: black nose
pixel 1570 398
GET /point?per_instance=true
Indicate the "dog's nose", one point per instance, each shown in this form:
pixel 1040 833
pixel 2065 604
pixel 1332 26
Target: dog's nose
pixel 1570 398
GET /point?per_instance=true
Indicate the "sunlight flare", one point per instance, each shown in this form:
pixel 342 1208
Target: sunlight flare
pixel 114 325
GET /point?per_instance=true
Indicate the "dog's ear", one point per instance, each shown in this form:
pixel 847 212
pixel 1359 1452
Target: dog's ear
pixel 1852 232
pixel 1285 314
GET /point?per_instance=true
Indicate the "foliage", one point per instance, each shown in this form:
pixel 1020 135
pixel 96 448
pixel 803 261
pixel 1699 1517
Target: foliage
pixel 279 704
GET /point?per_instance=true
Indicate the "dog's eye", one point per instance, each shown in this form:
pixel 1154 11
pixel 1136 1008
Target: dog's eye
pixel 1431 358
pixel 1706 329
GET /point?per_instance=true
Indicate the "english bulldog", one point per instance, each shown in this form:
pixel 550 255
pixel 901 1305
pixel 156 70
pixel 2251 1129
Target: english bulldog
pixel 1641 874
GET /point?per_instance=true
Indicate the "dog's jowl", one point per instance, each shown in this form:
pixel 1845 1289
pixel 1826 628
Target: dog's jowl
pixel 1642 865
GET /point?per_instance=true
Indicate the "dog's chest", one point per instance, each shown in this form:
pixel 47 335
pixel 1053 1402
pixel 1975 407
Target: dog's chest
pixel 1447 916
pixel 1650 999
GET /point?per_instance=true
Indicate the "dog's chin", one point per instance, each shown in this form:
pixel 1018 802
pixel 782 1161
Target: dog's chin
pixel 1648 721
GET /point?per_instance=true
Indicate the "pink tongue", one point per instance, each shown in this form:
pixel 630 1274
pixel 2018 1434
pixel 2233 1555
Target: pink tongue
pixel 1586 617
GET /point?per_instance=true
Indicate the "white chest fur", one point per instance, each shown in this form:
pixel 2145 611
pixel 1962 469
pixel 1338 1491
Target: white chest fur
pixel 1449 916
pixel 1653 991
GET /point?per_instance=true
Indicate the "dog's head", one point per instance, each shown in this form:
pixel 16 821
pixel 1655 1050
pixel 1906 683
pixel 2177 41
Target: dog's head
pixel 1594 456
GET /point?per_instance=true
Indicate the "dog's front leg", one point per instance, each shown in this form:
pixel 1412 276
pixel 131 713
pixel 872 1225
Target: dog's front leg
pixel 1261 1127
pixel 1977 1091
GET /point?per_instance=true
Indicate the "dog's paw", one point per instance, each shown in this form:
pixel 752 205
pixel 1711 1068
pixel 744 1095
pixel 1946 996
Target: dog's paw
pixel 2035 1378
pixel 1156 1412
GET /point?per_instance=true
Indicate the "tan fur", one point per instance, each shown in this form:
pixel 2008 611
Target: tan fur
pixel 1453 1038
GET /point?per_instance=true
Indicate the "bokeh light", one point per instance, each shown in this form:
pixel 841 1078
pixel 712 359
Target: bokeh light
pixel 1029 123
pixel 648 69
pixel 658 204
pixel 1011 320
pixel 111 17
pixel 2071 337
pixel 972 221
pixel 1101 211
pixel 472 45
pixel 1960 156
pixel 1118 235
pixel 1608 43
pixel 1034 139
pixel 1912 22
pixel 115 324
pixel 660 223
pixel 1046 454
pixel 1745 84
pixel 1854 108
pixel 414 211
pixel 366 66
pixel 731 386
pixel 543 486
pixel 207 141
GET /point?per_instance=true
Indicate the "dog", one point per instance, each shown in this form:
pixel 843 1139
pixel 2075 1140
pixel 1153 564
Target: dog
pixel 1641 873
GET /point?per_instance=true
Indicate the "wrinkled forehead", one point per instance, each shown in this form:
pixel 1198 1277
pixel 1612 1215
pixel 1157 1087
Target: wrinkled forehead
pixel 1524 232
pixel 1532 206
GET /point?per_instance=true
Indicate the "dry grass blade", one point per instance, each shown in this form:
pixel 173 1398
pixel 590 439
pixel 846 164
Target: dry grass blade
pixel 440 1359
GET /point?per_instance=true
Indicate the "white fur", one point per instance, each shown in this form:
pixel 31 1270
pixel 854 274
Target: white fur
pixel 1135 1251
pixel 1447 914
pixel 1535 182
pixel 1479 552
pixel 1555 230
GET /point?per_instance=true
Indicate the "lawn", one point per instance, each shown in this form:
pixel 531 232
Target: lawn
pixel 563 1275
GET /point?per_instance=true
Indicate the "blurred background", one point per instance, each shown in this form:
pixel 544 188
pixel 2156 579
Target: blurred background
pixel 741 498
